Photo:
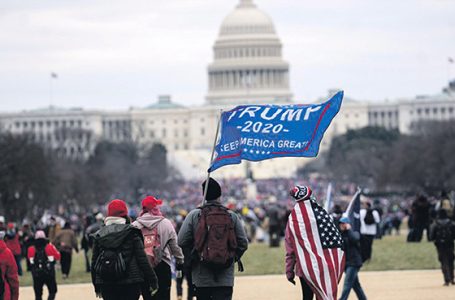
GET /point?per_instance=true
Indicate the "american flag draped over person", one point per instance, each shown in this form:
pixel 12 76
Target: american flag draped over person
pixel 318 245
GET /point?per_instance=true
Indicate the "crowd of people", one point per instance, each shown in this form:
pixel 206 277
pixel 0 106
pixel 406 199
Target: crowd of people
pixel 160 240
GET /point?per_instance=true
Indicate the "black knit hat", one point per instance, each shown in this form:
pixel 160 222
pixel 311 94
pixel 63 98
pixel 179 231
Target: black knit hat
pixel 213 191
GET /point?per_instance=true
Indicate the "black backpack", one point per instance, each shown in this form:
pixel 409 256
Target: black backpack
pixel 42 267
pixel 111 265
pixel 369 217
pixel 443 233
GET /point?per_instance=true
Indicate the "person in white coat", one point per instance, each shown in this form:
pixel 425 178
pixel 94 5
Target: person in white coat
pixel 369 220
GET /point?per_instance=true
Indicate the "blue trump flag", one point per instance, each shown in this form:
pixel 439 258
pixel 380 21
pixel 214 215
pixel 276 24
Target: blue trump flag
pixel 259 132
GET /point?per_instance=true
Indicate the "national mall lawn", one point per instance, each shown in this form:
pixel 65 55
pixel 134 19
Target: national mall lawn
pixel 389 253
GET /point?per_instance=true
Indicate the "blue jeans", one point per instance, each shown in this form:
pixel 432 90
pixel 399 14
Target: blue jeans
pixel 351 280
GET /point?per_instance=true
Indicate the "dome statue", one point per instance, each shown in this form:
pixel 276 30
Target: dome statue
pixel 248 65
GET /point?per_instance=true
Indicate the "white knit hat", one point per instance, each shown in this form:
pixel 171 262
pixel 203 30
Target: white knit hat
pixel 40 235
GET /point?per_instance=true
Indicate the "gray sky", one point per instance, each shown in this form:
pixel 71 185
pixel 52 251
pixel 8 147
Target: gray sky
pixel 116 54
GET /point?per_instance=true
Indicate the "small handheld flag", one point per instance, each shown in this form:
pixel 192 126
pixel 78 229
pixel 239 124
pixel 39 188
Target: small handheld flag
pixel 353 211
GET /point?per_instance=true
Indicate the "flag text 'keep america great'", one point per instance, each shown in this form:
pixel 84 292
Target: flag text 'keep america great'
pixel 259 132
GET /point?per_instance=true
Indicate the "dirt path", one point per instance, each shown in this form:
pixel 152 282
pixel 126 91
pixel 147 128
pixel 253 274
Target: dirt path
pixel 400 285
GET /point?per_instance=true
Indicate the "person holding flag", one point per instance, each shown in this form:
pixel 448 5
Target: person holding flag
pixel 313 247
pixel 351 241
pixel 350 225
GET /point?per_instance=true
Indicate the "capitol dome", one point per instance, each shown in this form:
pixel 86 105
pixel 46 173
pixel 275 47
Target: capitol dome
pixel 247 19
pixel 248 66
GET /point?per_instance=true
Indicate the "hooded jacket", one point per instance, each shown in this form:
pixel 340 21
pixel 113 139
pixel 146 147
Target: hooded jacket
pixel 128 240
pixel 166 231
pixel 8 269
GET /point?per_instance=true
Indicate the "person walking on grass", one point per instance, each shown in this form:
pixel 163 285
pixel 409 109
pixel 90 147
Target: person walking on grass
pixel 213 227
pixel 293 268
pixel 369 220
pixel 442 232
pixel 9 280
pixel 12 242
pixel 43 257
pixel 160 244
pixel 311 233
pixel 353 263
pixel 119 265
pixel 66 241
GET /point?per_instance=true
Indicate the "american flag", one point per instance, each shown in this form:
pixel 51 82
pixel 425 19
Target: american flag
pixel 318 245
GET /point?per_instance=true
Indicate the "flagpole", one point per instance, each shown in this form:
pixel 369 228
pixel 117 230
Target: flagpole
pixel 51 96
pixel 327 204
pixel 211 157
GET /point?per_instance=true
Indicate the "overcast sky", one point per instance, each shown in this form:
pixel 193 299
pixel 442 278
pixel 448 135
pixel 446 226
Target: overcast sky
pixel 115 54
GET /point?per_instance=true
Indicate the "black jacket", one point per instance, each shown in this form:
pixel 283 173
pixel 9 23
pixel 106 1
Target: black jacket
pixel 352 248
pixel 130 241
pixel 437 226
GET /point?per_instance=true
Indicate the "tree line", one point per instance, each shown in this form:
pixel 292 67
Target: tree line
pixel 33 177
pixel 388 161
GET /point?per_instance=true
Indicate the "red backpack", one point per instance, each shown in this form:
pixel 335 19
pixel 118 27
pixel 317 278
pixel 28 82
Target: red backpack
pixel 215 239
pixel 152 245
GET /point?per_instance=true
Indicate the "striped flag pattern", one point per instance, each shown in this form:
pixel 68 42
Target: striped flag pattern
pixel 318 244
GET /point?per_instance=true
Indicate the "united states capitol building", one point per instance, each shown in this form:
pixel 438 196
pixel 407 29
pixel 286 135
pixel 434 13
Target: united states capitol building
pixel 247 68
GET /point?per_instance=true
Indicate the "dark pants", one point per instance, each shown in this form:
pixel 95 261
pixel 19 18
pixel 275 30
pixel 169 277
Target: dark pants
pixel 186 274
pixel 87 260
pixel 164 275
pixel 274 235
pixel 121 292
pixel 307 292
pixel 418 232
pixel 18 259
pixel 39 282
pixel 351 281
pixel 366 244
pixel 66 262
pixel 446 258
pixel 214 293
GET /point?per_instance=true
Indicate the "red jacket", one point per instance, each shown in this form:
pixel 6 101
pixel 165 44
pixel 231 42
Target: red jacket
pixel 13 244
pixel 50 250
pixel 8 269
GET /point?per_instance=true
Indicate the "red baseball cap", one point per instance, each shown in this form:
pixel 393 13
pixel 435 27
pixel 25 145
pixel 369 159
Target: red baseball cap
pixel 150 202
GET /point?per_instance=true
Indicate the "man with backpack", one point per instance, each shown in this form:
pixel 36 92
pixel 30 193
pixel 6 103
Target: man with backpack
pixel 119 265
pixel 217 240
pixel 442 232
pixel 160 244
pixel 369 219
pixel 9 282
pixel 43 257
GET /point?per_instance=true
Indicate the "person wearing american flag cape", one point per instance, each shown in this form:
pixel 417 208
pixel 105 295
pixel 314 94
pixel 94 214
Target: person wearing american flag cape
pixel 314 247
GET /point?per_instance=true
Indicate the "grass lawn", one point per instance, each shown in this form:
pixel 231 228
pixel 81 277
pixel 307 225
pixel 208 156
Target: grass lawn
pixel 390 253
